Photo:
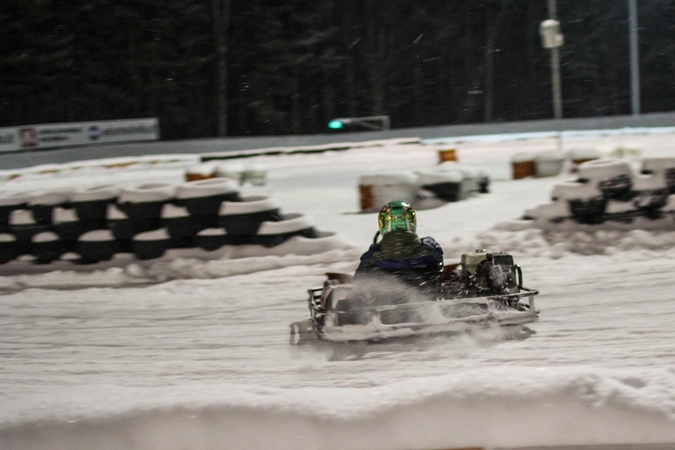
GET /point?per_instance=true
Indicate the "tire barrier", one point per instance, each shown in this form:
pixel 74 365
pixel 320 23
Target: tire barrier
pixel 544 164
pixel 151 244
pixel 23 225
pixel 609 190
pixel 9 204
pixel 211 239
pixel 549 164
pixel 446 182
pixel 273 233
pixel 203 197
pixel 146 200
pixel 42 205
pixel 445 185
pixel 91 225
pixel 9 248
pixel 97 245
pixel 180 224
pixel 124 226
pixel 47 247
pixel 254 174
pixel 242 220
pixel 92 203
pixel 553 162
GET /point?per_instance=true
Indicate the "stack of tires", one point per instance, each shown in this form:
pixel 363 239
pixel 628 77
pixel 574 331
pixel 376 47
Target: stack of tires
pixel 608 189
pixel 447 182
pixel 10 246
pixel 146 220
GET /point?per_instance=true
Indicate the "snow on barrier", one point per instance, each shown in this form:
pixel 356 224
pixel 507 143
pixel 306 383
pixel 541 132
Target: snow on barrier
pixel 608 190
pixel 522 165
pixel 553 162
pixel 254 174
pixel 94 224
pixel 447 182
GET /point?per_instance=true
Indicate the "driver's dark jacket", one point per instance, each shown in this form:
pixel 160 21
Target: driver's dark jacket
pixel 401 250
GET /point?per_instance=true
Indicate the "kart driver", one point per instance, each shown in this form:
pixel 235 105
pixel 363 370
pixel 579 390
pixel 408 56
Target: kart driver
pixel 401 250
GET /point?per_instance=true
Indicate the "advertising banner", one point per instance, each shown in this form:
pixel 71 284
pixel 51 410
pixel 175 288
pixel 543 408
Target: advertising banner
pixel 31 137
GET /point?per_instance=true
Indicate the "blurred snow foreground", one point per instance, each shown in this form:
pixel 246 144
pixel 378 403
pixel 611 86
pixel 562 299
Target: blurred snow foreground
pixel 493 408
pixel 192 352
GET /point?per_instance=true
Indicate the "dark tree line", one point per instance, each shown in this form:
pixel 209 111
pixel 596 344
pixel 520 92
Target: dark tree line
pixel 268 67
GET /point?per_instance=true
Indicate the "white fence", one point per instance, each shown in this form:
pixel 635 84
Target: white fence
pixel 30 137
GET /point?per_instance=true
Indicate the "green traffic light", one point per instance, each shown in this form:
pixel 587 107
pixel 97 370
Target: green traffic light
pixel 335 124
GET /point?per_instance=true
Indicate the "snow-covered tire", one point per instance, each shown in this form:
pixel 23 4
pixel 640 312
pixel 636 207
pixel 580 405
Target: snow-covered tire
pixel 47 246
pixel 9 247
pixel 125 227
pixel 243 219
pixel 145 201
pixel 212 239
pixel 574 190
pixel 484 185
pixel 271 234
pixel 650 200
pixel 445 185
pixel 97 245
pixel 43 204
pixel 613 177
pixel 203 197
pixel 92 203
pixel 585 201
pixel 23 225
pixel 663 169
pixel 588 211
pixel 10 203
pixel 67 224
pixel 549 163
pixel 151 244
pixel 180 224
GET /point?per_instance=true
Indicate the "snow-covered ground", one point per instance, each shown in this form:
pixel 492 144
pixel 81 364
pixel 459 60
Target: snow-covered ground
pixel 185 353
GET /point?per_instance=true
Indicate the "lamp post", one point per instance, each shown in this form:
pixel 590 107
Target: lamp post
pixel 552 39
pixel 634 58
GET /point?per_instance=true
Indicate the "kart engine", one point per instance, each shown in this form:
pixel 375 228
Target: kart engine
pixel 494 271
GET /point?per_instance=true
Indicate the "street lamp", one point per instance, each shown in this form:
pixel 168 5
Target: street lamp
pixel 634 57
pixel 552 38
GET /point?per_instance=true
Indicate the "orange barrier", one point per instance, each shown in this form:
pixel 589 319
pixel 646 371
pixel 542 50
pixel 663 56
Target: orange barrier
pixel 523 169
pixel 366 196
pixel 449 154
pixel 197 176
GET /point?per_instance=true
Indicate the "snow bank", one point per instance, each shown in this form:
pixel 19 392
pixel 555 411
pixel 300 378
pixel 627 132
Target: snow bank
pixel 519 236
pixel 192 263
pixel 489 408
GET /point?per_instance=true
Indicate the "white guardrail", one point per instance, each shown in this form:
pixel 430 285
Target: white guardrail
pixel 54 135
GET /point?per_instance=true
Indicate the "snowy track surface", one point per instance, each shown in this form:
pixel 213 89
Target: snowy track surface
pixel 205 363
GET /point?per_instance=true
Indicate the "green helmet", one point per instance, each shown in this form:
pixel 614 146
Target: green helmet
pixel 397 215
